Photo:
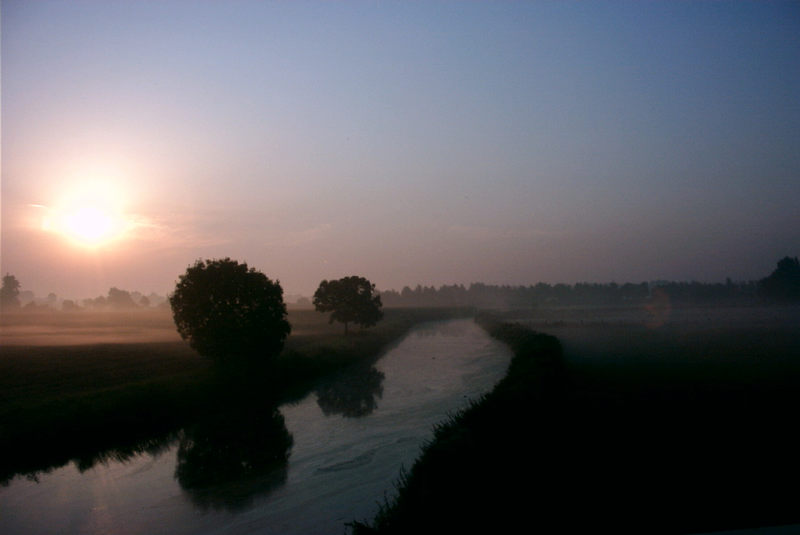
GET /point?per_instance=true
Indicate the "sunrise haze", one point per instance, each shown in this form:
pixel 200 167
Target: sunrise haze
pixel 412 143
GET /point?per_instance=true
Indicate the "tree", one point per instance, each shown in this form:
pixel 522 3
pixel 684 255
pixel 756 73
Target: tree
pixel 230 312
pixel 225 450
pixel 350 299
pixel 783 284
pixel 120 299
pixel 9 293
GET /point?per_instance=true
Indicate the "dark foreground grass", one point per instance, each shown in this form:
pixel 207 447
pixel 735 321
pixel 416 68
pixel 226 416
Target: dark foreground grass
pixel 559 449
pixel 63 403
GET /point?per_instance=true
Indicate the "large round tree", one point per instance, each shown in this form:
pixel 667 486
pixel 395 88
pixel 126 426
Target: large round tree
pixel 230 312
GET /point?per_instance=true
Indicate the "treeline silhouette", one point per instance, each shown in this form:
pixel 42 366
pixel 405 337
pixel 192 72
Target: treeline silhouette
pixel 584 293
pixel 116 299
pixel 781 286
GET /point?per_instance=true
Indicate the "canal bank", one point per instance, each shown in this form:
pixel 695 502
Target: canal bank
pixel 555 449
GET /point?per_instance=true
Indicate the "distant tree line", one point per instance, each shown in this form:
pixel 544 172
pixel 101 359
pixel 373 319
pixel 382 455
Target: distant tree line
pixel 583 293
pixel 12 298
pixel 782 286
pixel 118 299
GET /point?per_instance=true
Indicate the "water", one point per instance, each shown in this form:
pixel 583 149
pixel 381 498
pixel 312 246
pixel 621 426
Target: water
pixel 350 439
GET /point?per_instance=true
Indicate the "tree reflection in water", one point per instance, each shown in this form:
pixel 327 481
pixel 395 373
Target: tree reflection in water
pixel 154 446
pixel 352 393
pixel 232 456
pixel 234 448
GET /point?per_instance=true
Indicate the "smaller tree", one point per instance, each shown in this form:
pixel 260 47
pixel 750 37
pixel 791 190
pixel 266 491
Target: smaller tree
pixel 349 299
pixel 9 293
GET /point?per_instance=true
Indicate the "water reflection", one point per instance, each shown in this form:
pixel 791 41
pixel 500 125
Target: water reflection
pixel 226 466
pixel 232 456
pixel 41 459
pixel 153 446
pixel 232 453
pixel 351 394
pixel 447 329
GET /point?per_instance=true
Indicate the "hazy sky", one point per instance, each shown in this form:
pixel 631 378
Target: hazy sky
pixel 409 142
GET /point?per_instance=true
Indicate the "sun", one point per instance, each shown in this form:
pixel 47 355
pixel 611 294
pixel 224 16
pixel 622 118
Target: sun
pixel 91 216
pixel 92 225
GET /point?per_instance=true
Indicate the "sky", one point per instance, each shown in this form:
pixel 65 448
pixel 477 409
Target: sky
pixel 408 142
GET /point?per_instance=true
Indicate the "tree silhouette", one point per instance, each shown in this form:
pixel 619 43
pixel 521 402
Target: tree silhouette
pixel 120 299
pixel 9 293
pixel 231 456
pixel 783 284
pixel 352 392
pixel 350 299
pixel 230 312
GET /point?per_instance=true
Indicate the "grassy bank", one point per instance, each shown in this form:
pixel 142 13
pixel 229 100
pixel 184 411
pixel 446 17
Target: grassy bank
pixel 65 402
pixel 559 447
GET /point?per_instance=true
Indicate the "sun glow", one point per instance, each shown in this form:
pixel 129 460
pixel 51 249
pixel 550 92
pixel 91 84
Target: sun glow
pixel 90 215
pixel 91 225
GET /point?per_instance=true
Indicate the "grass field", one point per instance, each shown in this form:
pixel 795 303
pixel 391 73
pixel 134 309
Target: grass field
pixel 86 327
pixel 64 398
